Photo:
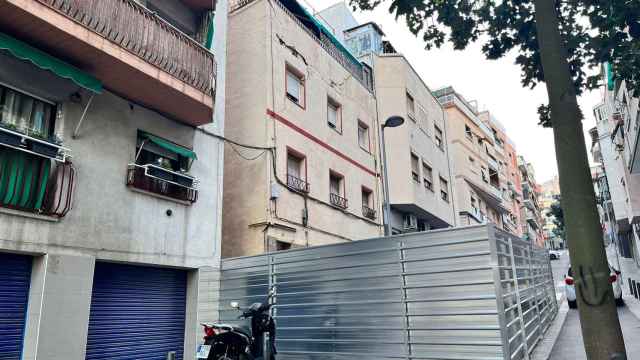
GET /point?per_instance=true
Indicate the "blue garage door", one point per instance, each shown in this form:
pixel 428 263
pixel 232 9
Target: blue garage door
pixel 136 313
pixel 15 275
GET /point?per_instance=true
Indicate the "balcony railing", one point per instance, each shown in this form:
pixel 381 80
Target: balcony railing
pixel 31 187
pixel 26 142
pixel 146 178
pixel 368 212
pixel 338 201
pixel 144 34
pixel 297 184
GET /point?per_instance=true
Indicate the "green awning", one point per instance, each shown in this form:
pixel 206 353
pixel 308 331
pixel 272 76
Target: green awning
pixel 168 145
pixel 45 61
pixel 610 78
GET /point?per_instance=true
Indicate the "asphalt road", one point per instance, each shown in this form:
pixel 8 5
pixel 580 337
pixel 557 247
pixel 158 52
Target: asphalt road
pixel 559 269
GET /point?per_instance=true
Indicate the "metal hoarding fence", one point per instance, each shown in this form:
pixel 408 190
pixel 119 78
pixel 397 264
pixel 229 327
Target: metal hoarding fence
pixel 465 293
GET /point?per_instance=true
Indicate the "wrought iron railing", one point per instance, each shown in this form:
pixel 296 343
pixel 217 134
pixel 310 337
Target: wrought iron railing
pixel 138 178
pixel 339 201
pixel 146 35
pixel 34 189
pixel 297 184
pixel 368 212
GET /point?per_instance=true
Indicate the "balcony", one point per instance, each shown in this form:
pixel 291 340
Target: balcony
pixel 338 201
pixel 129 48
pixel 158 181
pixel 297 184
pixel 32 184
pixel 368 212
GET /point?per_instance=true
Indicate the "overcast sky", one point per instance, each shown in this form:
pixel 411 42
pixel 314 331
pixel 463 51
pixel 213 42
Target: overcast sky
pixel 494 84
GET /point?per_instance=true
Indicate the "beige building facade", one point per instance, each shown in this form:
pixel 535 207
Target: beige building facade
pixel 478 189
pixel 420 186
pixel 308 105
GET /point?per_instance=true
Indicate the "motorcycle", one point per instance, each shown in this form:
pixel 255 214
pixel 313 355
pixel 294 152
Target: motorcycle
pixel 231 342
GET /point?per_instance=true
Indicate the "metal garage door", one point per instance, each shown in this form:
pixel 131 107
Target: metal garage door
pixel 15 275
pixel 136 313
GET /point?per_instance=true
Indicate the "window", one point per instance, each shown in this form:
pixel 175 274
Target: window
pixel 483 172
pixel 438 136
pixel 367 203
pixel 411 107
pixel 414 168
pixel 162 167
pixel 295 86
pixel 444 189
pixel 336 190
pixel 296 171
pixel 334 115
pixel 472 161
pixel 474 205
pixel 26 114
pixel 427 176
pixel 363 136
pixel 282 246
pixel 467 132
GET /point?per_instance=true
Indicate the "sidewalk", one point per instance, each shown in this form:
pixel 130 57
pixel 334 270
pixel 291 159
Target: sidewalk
pixel 569 345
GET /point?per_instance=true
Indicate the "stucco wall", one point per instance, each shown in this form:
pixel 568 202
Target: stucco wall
pixel 394 79
pixel 259 57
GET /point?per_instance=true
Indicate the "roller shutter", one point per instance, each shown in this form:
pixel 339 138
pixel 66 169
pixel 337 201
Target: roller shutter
pixel 15 276
pixel 136 313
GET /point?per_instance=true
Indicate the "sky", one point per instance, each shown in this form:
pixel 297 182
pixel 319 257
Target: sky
pixel 495 84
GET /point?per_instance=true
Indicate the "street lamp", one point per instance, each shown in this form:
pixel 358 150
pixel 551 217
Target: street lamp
pixel 393 121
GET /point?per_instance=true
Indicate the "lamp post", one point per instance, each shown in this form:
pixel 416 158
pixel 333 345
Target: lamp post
pixel 393 121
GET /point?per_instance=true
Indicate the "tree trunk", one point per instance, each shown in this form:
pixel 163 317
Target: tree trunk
pixel 598 315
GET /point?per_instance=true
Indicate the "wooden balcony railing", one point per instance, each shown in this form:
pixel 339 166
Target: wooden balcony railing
pixel 146 35
pixel 297 184
pixel 139 178
pixel 368 212
pixel 339 201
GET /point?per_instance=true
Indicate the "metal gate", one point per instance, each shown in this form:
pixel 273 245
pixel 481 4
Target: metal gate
pixel 136 313
pixel 15 277
pixel 466 293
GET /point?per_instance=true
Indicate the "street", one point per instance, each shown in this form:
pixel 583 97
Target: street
pixel 569 345
pixel 559 268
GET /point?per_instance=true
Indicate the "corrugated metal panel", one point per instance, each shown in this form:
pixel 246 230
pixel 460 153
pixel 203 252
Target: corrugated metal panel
pixel 136 313
pixel 15 276
pixel 435 295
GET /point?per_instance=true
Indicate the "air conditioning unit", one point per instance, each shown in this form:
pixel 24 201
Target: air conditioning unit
pixel 410 222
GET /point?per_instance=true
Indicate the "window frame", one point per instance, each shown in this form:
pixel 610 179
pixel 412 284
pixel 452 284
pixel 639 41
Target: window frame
pixel 415 175
pixel 341 184
pixel 468 132
pixel 362 124
pixel 438 136
pixel 410 114
pixel 444 194
pixel 428 183
pixel 370 204
pixel 289 69
pixel 304 167
pixel 331 102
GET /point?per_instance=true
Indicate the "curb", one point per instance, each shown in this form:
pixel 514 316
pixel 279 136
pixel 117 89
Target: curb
pixel 543 350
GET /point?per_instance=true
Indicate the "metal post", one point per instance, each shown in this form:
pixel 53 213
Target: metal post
pixel 523 331
pixel 386 216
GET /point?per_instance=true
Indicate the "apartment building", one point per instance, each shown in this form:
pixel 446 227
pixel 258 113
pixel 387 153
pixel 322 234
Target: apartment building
pixel 476 173
pixel 110 194
pixel 420 186
pixel 614 146
pixel 514 185
pixel 549 195
pixel 531 210
pixel 307 104
pixel 503 172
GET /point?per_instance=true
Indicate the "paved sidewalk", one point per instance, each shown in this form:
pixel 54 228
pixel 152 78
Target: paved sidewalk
pixel 569 345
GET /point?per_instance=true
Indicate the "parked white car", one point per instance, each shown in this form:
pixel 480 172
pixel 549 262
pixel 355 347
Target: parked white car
pixel 554 254
pixel 614 279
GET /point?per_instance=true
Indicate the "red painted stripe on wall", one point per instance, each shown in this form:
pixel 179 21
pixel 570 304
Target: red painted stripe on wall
pixel 313 138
